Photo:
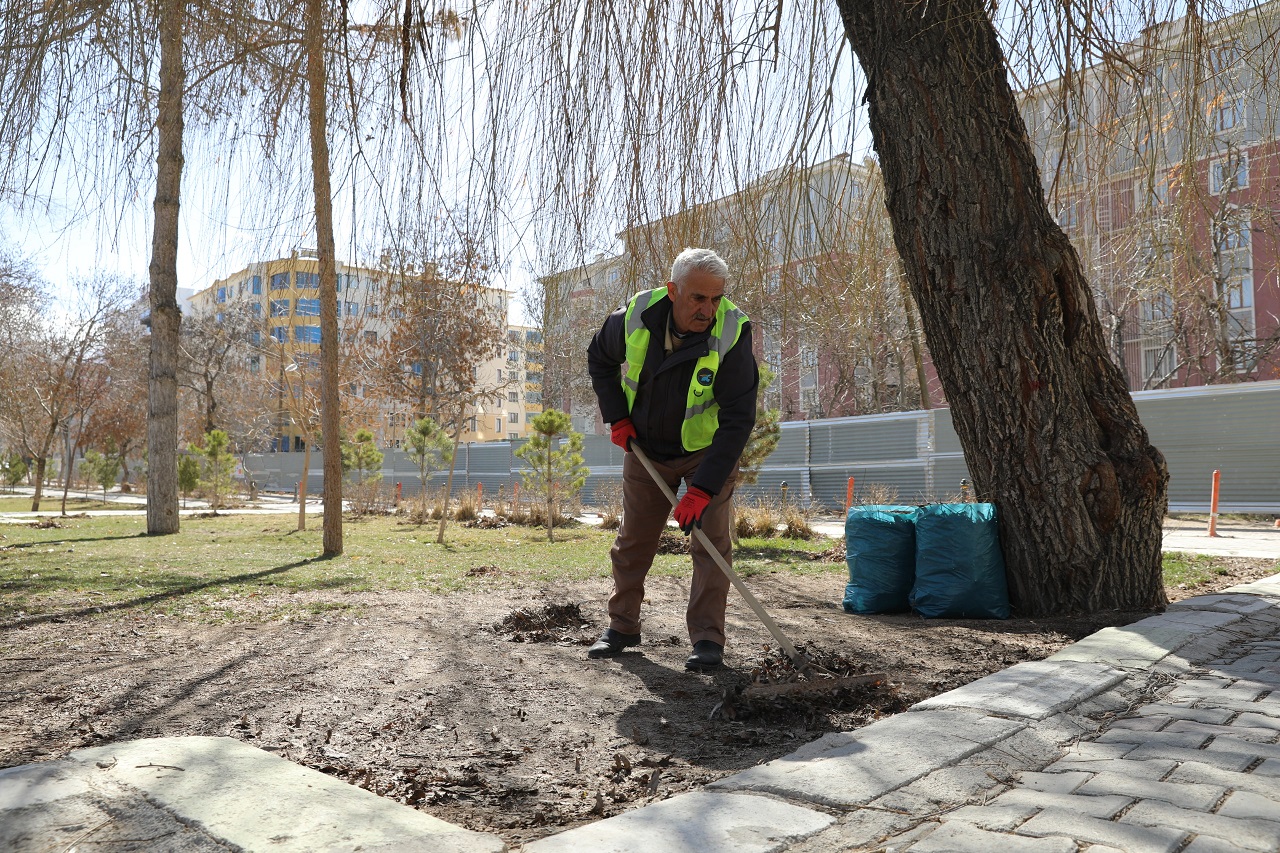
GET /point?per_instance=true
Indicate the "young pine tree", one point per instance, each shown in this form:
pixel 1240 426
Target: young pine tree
pixel 218 464
pixel 188 476
pixel 429 446
pixel 554 455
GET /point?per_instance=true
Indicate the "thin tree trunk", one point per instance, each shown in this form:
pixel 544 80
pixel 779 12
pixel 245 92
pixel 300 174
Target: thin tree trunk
pixel 302 486
pixel 1049 430
pixel 166 317
pixel 551 497
pixel 448 487
pixel 35 499
pixel 917 347
pixel 66 481
pixel 330 418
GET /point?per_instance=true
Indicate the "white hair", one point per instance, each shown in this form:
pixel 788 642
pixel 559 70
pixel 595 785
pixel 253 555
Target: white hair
pixel 705 260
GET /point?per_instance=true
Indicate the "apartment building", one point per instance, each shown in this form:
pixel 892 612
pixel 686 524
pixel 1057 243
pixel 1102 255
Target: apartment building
pixel 279 301
pixel 1162 166
pixel 812 264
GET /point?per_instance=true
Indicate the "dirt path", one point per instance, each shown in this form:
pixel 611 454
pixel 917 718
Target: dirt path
pixel 417 697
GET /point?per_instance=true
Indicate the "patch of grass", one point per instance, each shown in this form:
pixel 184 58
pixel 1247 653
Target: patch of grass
pixel 240 566
pixel 1190 569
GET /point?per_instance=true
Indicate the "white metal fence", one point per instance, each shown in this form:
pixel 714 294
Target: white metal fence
pixel 1233 428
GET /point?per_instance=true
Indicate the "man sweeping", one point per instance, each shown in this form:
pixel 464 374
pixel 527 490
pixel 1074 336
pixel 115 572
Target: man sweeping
pixel 674 372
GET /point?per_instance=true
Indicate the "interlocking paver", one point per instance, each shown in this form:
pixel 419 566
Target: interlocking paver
pixel 995 817
pixel 958 837
pixel 1261 721
pixel 1209 844
pixel 1103 806
pixel 1245 804
pixel 1249 733
pixel 1225 758
pixel 1131 838
pixel 1152 768
pixel 1194 771
pixel 1186 740
pixel 1140 724
pixel 1252 834
pixel 1213 694
pixel 1269 767
pixel 1054 783
pixel 1186 712
pixel 1189 795
pixel 1252 751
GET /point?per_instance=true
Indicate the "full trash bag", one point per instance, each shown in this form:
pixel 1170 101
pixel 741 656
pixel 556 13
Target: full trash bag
pixel 880 547
pixel 959 567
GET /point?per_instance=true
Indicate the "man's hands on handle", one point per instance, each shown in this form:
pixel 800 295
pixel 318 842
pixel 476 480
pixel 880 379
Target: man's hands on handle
pixel 622 433
pixel 689 511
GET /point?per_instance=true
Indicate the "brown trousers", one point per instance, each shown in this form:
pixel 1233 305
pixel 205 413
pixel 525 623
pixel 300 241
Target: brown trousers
pixel 645 511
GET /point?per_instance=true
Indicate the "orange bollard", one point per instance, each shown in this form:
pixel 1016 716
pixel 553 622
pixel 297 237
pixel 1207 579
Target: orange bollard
pixel 1213 503
pixel 397 493
pixel 479 495
pixel 848 496
pixel 516 500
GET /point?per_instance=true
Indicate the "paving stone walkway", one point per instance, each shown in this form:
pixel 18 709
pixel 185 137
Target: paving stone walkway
pixel 1161 736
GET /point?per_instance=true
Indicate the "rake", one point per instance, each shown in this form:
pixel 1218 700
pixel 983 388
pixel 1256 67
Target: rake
pixel 822 679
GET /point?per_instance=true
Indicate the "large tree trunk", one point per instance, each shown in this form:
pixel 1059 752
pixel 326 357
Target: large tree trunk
pixel 166 317
pixel 330 421
pixel 1049 431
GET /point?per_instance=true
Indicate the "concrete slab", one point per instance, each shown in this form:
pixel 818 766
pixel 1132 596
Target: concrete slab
pixel 1035 690
pixel 700 822
pixel 243 795
pixel 1132 647
pixel 876 759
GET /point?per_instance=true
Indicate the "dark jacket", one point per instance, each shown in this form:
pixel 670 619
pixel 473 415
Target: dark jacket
pixel 658 413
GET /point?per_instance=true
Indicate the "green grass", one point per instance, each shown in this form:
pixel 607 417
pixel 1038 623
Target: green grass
pixel 52 502
pixel 215 565
pixel 1190 569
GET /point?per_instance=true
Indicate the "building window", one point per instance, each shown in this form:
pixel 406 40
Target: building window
pixel 513 357
pixel 1229 173
pixel 306 334
pixel 308 308
pixel 1239 292
pixel 513 436
pixel 533 336
pixel 257 285
pixel 533 398
pixel 222 295
pixel 255 363
pixel 513 396
pixel 499 375
pixel 371 309
pixel 1227 113
pixel 353 309
pixel 1224 57
pixel 808 234
pixel 809 400
pixel 513 417
pixel 773 282
pixel 471 425
pixel 1069 217
pixel 533 377
pixel 255 337
pixel 279 334
pixel 1236 235
pixel 255 308
pixel 397 313
pixel 1157 309
pixel 306 279
pixel 279 307
pixel 497 426
pixel 280 281
pixel 219 317
pixel 1157 363
pixel 371 336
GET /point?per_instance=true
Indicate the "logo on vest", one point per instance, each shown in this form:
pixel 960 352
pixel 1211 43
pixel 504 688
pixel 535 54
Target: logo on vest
pixel 705 377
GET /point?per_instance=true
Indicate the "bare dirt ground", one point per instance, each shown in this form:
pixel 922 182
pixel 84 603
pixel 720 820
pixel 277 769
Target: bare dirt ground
pixel 419 697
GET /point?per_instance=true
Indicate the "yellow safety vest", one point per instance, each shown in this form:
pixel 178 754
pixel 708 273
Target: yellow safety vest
pixel 701 413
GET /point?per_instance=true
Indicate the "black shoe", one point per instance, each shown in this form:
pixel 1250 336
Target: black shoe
pixel 611 643
pixel 706 655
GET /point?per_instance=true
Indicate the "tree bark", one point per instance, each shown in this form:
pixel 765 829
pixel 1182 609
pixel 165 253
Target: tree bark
pixel 1049 431
pixel 40 467
pixel 330 420
pixel 166 317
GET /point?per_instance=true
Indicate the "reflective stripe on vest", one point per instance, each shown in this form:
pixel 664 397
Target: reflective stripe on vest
pixel 701 413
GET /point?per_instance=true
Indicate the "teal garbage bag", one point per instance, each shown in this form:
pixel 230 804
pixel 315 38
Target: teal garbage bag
pixel 880 547
pixel 959 566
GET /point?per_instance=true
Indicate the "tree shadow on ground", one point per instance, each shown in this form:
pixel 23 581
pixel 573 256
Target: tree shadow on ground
pixel 169 594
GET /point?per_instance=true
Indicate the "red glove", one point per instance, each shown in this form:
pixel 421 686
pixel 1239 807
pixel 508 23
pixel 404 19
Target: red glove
pixel 622 434
pixel 689 510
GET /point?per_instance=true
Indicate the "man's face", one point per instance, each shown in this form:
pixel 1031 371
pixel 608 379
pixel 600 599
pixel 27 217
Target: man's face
pixel 695 300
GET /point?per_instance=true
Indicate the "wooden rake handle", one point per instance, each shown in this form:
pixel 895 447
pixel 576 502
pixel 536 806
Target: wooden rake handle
pixel 800 661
